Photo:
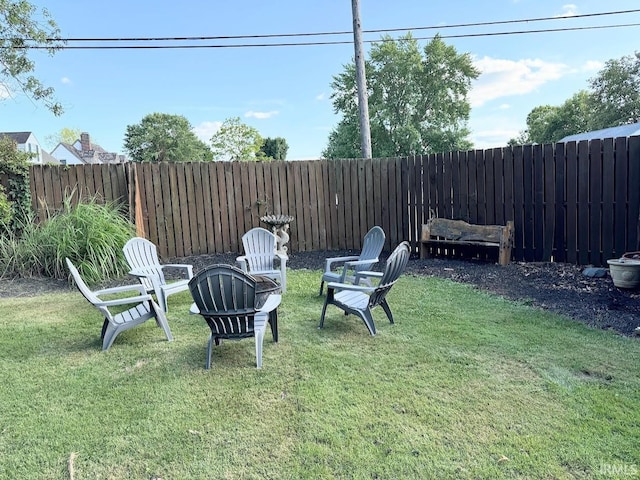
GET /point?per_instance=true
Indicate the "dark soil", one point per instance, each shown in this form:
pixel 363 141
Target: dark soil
pixel 558 287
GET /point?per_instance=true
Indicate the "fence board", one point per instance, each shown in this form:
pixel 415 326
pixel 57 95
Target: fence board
pixel 528 199
pixel 633 219
pixel 595 201
pixel 538 203
pixel 490 183
pixel 571 228
pixel 608 206
pixel 548 162
pixel 499 186
pixel 560 248
pixel 464 212
pixel 312 182
pixel 583 201
pixel 473 186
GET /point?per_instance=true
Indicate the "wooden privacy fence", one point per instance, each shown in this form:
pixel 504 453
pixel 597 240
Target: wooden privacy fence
pixel 574 202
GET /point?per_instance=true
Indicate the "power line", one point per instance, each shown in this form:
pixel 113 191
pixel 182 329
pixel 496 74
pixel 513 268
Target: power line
pixel 311 34
pixel 300 44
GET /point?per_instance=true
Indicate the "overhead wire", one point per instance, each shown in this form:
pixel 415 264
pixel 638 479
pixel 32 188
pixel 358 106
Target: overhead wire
pixel 310 34
pixel 23 45
pixel 336 42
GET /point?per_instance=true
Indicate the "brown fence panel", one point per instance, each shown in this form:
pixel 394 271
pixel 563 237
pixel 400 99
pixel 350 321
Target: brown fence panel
pixel 548 226
pixel 595 202
pixel 583 202
pixel 559 246
pixel 633 219
pixel 608 206
pixel 569 202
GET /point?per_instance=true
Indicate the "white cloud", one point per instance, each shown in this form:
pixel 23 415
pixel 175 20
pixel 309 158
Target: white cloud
pixel 568 10
pixel 261 115
pixel 497 137
pixel 321 96
pixel 503 78
pixel 592 65
pixel 205 130
pixel 66 80
pixel 504 106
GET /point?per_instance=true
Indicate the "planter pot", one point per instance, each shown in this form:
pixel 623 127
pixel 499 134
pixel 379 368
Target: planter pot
pixel 625 272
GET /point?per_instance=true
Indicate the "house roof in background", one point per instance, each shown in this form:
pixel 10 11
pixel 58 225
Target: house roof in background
pixel 19 137
pixel 628 130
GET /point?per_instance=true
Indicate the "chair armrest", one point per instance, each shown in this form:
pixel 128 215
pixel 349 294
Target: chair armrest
pixel 331 261
pixel 242 263
pixel 282 258
pixel 143 272
pixel 124 301
pixel 273 301
pixel 367 274
pixel 124 288
pixel 181 266
pixel 348 286
pixel 351 265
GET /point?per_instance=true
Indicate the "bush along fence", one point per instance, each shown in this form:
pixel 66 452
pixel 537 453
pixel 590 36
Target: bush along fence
pixel 573 202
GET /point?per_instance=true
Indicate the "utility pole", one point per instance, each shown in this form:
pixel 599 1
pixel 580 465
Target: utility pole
pixel 361 80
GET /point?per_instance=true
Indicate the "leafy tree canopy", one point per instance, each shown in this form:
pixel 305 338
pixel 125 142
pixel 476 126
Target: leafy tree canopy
pixel 417 100
pixel 16 201
pixel 615 93
pixel 613 99
pixel 161 137
pixel 22 25
pixel 237 141
pixel 275 148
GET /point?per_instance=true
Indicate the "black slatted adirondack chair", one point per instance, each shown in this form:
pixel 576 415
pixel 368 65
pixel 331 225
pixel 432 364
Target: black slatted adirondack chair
pixel 229 301
pixel 359 299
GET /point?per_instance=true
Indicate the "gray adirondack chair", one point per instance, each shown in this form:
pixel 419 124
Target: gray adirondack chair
pixel 360 300
pixel 260 256
pixel 143 309
pixel 226 298
pixel 142 257
pixel 371 248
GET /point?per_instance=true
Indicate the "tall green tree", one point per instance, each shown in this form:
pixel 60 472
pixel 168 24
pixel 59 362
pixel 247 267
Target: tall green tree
pixel 417 100
pixel 22 25
pixel 237 141
pixel 275 148
pixel 161 137
pixel 615 93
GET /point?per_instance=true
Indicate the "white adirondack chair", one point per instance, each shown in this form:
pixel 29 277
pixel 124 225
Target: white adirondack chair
pixel 260 256
pixel 371 248
pixel 360 300
pixel 143 309
pixel 142 257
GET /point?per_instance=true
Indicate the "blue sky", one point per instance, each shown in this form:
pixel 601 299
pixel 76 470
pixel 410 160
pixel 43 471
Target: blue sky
pixel 285 91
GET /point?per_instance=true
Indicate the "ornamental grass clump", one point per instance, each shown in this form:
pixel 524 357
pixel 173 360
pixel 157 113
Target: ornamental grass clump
pixel 91 234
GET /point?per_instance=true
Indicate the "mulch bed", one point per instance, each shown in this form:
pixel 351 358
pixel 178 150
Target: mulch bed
pixel 558 287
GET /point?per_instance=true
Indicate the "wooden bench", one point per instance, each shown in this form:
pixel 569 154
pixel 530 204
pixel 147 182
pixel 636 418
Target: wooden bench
pixel 457 237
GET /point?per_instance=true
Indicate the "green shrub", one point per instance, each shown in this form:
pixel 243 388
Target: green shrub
pixel 5 210
pixel 90 234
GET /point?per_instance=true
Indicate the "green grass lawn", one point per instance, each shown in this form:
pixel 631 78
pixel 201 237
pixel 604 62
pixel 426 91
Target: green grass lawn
pixel 464 385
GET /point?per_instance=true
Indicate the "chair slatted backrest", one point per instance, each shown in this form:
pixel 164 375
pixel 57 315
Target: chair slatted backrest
pixel 141 254
pixel 371 247
pixel 86 291
pixel 225 296
pixel 396 264
pixel 259 248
